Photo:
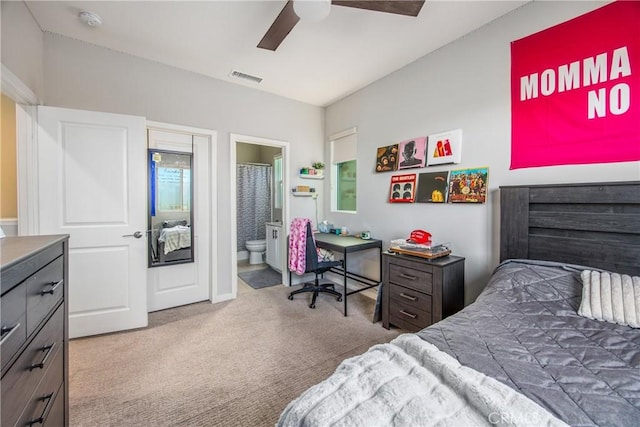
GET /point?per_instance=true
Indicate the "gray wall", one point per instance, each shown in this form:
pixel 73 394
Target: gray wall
pixel 463 85
pixel 82 76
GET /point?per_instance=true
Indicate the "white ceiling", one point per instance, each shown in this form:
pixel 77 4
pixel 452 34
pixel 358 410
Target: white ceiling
pixel 317 63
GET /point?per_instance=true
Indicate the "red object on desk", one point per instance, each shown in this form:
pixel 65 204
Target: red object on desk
pixel 420 236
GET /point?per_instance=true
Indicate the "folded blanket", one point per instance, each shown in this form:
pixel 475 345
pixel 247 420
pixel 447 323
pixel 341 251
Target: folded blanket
pixel 409 382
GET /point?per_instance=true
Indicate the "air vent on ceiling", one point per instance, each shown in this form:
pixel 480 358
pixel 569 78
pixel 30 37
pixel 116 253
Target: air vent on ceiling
pixel 240 75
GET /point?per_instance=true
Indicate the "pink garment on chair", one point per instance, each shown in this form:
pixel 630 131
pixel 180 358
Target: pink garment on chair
pixel 298 245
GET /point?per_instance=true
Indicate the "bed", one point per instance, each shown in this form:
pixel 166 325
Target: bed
pixel 173 240
pixel 520 354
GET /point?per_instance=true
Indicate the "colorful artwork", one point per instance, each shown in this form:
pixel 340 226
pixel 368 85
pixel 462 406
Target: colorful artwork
pixel 578 102
pixel 403 188
pixel 445 147
pixel 387 158
pixel 468 185
pixel 432 187
pixel 412 153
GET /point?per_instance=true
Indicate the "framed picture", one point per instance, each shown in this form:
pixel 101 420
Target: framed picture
pixel 412 153
pixel 445 147
pixel 387 158
pixel 432 187
pixel 402 188
pixel 468 185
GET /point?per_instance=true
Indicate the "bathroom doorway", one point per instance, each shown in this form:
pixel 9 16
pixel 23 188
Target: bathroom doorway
pixel 259 205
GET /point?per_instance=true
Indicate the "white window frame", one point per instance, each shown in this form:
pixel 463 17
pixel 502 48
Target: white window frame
pixel 341 154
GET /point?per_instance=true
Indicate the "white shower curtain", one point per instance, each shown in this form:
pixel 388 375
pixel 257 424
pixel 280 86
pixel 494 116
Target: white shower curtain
pixel 253 202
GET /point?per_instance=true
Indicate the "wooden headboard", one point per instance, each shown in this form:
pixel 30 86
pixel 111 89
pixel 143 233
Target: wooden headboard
pixel 592 224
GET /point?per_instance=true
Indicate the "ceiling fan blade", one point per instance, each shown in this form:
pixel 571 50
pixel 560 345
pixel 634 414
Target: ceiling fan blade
pixel 281 27
pixel 400 7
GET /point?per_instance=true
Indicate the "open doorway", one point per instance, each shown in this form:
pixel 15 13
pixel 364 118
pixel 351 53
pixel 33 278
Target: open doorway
pixel 258 179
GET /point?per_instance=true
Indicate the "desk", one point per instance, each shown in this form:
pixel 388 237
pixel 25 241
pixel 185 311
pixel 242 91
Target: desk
pixel 346 245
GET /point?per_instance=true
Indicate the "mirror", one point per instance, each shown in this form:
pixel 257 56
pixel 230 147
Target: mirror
pixel 170 214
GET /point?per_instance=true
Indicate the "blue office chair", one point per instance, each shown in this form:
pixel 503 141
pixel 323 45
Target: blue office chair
pixel 319 268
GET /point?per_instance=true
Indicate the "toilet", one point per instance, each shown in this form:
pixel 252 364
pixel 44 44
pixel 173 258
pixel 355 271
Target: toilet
pixel 256 248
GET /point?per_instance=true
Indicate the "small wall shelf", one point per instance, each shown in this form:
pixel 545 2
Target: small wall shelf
pixel 302 194
pixel 309 176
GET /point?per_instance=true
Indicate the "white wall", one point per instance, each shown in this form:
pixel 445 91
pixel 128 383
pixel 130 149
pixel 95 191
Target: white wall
pixel 463 85
pixel 82 76
pixel 22 45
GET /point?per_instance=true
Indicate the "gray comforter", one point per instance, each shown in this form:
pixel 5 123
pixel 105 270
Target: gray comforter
pixel 524 330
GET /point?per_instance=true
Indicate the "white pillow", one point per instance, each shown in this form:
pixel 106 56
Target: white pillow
pixel 611 297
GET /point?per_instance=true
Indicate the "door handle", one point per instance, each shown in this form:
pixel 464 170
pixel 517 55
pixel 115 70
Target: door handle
pixel 137 235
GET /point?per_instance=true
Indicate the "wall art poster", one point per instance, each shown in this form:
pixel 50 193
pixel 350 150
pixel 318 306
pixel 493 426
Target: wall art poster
pixel 403 188
pixel 468 185
pixel 432 187
pixel 387 158
pixel 445 147
pixel 412 153
pixel 575 90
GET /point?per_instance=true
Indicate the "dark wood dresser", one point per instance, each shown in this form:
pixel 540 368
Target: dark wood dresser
pixel 34 346
pixel 418 292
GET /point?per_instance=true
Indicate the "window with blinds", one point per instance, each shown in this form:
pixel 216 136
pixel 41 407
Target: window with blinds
pixel 343 173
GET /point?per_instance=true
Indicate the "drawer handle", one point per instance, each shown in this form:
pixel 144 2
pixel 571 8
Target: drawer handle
pixel 407 276
pixel 409 297
pixel 53 285
pixel 413 316
pixel 9 331
pixel 48 349
pixel 40 420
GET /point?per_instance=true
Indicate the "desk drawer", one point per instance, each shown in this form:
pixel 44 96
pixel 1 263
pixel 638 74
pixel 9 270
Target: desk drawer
pixel 44 292
pixel 42 401
pixel 24 376
pixel 419 280
pixel 14 322
pixel 409 297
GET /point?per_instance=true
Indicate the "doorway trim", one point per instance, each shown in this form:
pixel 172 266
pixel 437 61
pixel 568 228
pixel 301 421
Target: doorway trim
pixel 284 147
pixel 26 164
pixel 212 135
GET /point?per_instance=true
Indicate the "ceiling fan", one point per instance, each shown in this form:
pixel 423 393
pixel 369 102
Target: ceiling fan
pixel 287 19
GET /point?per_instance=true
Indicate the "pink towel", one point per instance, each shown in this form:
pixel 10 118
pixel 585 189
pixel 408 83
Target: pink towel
pixel 298 245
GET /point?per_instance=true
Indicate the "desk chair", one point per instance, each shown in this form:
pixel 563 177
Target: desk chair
pixel 312 265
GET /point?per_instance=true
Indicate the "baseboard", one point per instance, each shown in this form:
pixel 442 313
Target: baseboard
pixel 223 297
pixel 9 226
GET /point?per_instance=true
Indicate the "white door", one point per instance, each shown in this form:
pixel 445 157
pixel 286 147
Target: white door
pixel 174 285
pixel 92 186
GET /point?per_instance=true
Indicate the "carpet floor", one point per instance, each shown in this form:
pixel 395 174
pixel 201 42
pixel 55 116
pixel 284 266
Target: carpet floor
pixel 236 363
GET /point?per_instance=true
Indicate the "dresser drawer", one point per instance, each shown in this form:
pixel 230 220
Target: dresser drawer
pixel 19 383
pixel 409 297
pixel 14 322
pixel 44 292
pixel 419 280
pixel 41 402
pixel 56 414
pixel 401 313
pixel 18 272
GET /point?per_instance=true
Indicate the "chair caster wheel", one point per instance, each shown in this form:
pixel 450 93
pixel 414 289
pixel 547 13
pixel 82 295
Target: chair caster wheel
pixel 339 299
pixel 312 306
pixel 290 297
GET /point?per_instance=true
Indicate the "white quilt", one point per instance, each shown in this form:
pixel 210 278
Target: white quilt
pixel 409 382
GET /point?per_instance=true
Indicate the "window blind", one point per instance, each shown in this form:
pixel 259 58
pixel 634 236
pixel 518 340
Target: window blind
pixel 343 147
